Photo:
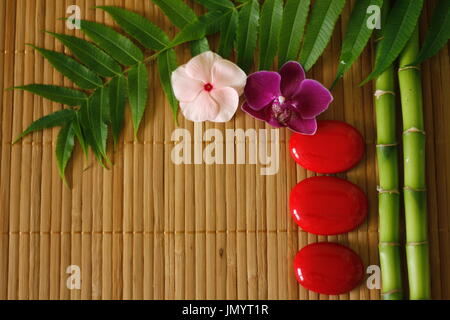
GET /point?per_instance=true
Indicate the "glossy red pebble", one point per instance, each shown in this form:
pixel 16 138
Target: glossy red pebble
pixel 336 147
pixel 328 268
pixel 328 205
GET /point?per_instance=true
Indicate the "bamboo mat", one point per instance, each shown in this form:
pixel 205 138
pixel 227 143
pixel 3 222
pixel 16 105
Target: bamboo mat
pixel 149 229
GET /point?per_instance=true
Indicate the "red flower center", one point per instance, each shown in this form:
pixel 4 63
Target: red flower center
pixel 208 87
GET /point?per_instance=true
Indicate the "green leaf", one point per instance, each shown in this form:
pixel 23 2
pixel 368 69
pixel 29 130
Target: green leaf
pixel 213 20
pixel 247 34
pixel 396 33
pixel 79 74
pixel 58 94
pixel 117 91
pixel 228 34
pixel 199 46
pixel 116 45
pixel 191 32
pixel 292 29
pixel 94 128
pixel 149 35
pixel 79 133
pixel 178 12
pixel 216 4
pixel 167 63
pixel 137 93
pixel 438 34
pixel 64 148
pixel 88 131
pixel 91 56
pixel 56 119
pixel 271 18
pixel 324 15
pixel 356 36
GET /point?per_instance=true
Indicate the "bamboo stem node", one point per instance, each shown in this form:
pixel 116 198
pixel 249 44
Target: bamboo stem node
pixel 414 244
pixel 414 130
pixel 391 292
pixel 414 189
pixel 389 243
pixel 409 68
pixel 387 145
pixel 379 93
pixel 392 191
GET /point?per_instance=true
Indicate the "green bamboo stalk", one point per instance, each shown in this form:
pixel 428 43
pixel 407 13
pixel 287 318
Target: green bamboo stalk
pixel 417 254
pixel 389 194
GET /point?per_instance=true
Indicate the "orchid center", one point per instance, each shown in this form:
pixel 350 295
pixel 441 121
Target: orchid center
pixel 281 110
pixel 208 87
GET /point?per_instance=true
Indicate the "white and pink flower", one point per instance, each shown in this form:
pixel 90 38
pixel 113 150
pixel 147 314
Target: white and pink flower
pixel 208 88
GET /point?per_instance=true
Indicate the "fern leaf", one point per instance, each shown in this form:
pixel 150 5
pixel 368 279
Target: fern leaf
pixel 137 93
pixel 271 18
pixel 292 30
pixel 324 15
pixel 149 35
pixel 117 91
pixel 167 63
pixel 57 94
pixel 56 119
pixel 65 144
pixel 356 37
pixel 228 34
pixel 116 45
pixel 76 72
pixel 439 32
pixel 88 54
pixel 400 25
pixel 247 34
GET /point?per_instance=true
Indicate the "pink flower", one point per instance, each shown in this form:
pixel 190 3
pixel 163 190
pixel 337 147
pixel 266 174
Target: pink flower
pixel 286 99
pixel 208 88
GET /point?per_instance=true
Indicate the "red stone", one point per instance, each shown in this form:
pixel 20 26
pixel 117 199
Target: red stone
pixel 328 268
pixel 336 147
pixel 328 205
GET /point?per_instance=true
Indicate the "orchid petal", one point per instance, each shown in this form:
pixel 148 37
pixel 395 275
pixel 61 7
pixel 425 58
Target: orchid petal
pixel 200 67
pixel 303 126
pixel 185 88
pixel 262 88
pixel 203 108
pixel 228 102
pixel 292 75
pixel 226 74
pixel 312 99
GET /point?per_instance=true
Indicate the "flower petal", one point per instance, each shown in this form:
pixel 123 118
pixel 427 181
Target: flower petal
pixel 312 99
pixel 292 75
pixel 226 74
pixel 203 108
pixel 185 88
pixel 228 102
pixel 303 126
pixel 263 114
pixel 200 67
pixel 262 88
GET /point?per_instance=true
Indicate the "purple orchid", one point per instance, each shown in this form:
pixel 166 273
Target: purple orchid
pixel 286 99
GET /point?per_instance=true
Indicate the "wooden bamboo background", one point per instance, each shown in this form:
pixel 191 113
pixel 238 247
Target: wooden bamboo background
pixel 147 229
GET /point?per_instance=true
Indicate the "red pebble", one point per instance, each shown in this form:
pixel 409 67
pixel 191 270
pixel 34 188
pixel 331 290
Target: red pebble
pixel 328 268
pixel 336 147
pixel 328 205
